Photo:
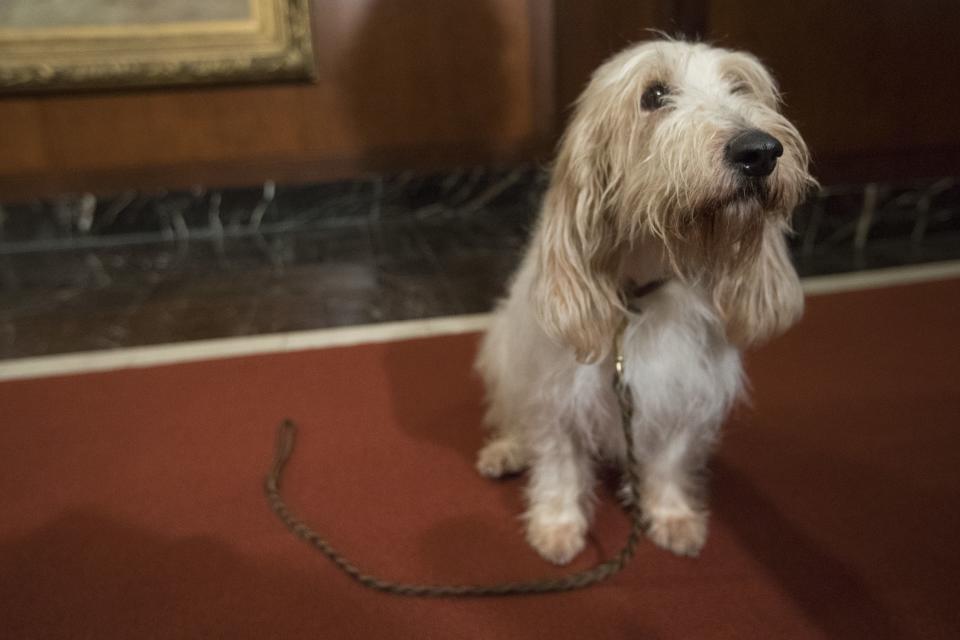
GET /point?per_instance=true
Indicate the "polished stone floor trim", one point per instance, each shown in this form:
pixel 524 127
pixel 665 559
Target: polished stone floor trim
pixel 166 354
pixel 875 279
pixel 85 272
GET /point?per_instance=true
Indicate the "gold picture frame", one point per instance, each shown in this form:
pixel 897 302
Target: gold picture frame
pixel 271 42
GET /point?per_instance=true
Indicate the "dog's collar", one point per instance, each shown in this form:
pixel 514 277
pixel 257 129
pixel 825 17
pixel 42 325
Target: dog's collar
pixel 632 293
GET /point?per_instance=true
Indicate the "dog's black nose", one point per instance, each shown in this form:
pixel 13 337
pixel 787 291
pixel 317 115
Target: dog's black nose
pixel 754 153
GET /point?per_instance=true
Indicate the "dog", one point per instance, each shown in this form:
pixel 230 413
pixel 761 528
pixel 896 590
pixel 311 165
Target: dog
pixel 664 219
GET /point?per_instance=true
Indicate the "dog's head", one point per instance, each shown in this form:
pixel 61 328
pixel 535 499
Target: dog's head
pixel 684 145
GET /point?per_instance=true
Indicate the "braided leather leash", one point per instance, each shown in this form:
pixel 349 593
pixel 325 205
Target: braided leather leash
pixel 285 440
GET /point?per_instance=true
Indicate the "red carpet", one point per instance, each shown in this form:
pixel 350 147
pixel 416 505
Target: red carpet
pixel 132 504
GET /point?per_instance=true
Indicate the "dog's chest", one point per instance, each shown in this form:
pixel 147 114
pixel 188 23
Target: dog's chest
pixel 678 364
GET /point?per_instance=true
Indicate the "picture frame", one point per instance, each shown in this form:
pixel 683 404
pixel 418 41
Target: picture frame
pixel 51 45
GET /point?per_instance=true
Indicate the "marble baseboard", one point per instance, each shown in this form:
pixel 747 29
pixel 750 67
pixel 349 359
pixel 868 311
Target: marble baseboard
pixel 81 272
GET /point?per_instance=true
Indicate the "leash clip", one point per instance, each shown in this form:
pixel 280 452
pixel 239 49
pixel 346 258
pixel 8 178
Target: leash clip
pixel 619 371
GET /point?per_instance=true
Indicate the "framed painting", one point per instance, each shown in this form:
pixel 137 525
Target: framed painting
pixel 88 44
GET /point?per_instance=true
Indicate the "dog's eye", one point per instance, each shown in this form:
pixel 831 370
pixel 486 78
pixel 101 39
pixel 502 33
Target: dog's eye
pixel 740 88
pixel 653 96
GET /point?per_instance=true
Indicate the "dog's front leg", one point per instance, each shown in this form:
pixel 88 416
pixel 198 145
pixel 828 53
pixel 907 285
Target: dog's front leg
pixel 561 482
pixel 672 488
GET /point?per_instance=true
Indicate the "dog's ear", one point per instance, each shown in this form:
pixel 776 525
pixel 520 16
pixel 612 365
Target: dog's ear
pixel 763 298
pixel 575 246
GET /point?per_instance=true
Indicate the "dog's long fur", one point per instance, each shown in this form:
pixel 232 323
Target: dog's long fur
pixel 638 195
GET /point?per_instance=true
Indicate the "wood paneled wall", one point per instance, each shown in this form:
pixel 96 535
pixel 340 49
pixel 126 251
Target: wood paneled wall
pixel 401 83
pixel 873 85
pixel 426 83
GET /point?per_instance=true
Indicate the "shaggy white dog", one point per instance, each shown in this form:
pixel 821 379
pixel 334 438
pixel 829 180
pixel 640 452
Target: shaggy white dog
pixel 666 214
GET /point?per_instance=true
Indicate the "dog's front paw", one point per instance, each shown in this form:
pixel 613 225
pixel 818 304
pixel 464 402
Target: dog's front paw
pixel 501 457
pixel 682 533
pixel 557 541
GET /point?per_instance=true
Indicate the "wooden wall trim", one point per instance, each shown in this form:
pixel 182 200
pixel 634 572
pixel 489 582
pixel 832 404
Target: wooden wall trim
pixel 299 169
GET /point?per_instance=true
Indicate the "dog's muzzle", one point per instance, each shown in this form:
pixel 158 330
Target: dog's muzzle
pixel 753 153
